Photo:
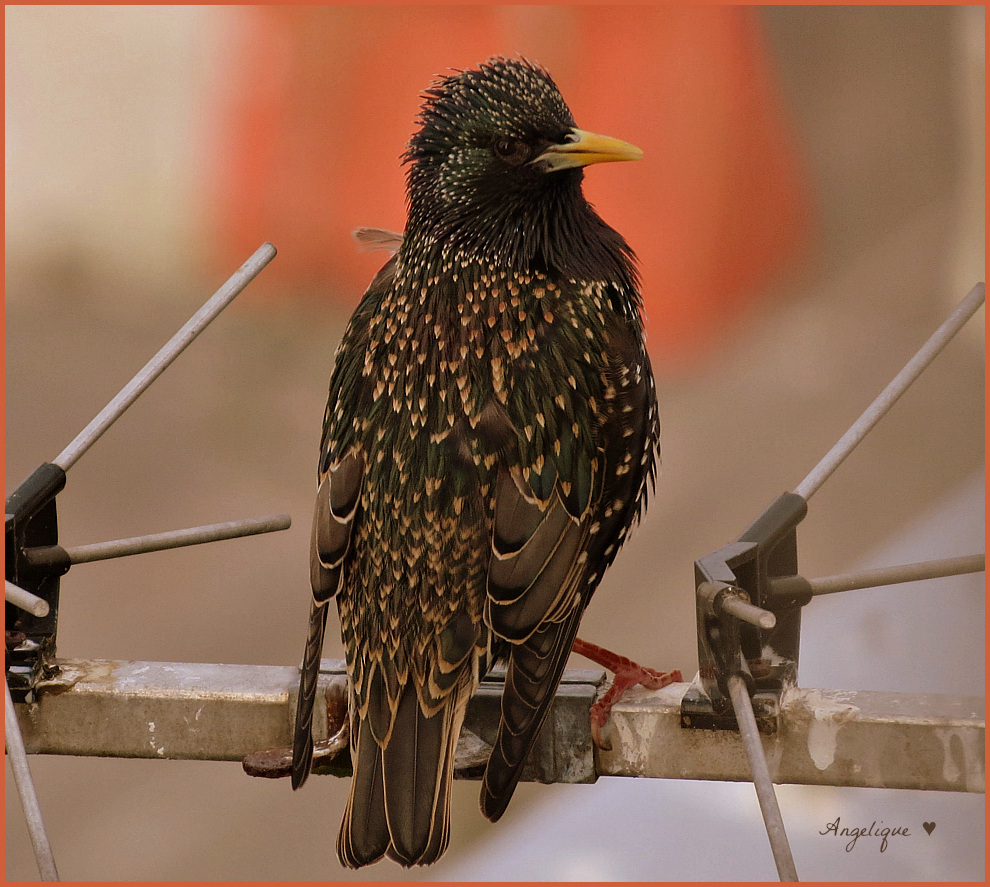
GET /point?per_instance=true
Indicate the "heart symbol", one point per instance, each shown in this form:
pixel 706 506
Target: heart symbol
pixel 929 826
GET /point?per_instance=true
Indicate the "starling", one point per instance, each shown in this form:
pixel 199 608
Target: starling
pixel 489 439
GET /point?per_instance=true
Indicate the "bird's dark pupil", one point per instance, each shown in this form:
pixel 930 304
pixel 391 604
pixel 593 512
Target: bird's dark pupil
pixel 514 151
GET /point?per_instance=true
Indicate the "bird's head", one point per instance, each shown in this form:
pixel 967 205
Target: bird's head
pixel 496 169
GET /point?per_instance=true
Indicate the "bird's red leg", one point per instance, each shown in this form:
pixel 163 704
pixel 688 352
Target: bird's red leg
pixel 627 674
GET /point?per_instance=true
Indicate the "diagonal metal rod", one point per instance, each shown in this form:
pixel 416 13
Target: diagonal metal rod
pixel 772 819
pixel 888 397
pixel 14 594
pixel 950 566
pixel 99 551
pixel 25 788
pixel 171 350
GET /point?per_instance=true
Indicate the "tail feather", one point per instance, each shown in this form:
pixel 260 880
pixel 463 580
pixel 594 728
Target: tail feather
pixel 364 837
pixel 534 670
pixel 411 766
pixel 399 804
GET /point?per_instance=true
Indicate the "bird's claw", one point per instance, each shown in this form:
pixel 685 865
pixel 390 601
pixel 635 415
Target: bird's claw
pixel 627 674
pixel 274 763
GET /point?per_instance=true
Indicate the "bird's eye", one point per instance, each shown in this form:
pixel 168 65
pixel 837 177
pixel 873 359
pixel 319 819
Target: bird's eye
pixel 512 151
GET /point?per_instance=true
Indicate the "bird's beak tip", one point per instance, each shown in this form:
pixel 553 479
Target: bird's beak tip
pixel 583 148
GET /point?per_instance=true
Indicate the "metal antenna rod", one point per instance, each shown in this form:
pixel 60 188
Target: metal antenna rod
pixel 14 594
pixel 171 350
pixel 25 788
pixel 100 551
pixel 747 612
pixel 950 566
pixel 888 397
pixel 774 822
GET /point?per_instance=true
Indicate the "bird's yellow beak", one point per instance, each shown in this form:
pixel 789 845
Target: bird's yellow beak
pixel 582 148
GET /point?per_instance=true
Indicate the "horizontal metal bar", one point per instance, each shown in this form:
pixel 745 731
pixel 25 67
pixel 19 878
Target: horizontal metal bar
pixel 193 711
pixel 936 569
pixel 889 396
pixel 859 738
pixel 98 551
pixel 168 352
pixel 24 600
pixel 168 710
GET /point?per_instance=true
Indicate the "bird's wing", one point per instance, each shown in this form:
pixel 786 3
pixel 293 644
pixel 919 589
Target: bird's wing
pixel 535 562
pixel 550 551
pixel 341 477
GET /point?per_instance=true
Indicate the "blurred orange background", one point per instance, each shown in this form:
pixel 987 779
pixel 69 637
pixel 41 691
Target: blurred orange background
pixel 322 100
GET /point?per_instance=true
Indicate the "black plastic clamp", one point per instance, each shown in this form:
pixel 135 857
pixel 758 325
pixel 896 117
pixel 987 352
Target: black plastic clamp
pixel 748 602
pixel 32 522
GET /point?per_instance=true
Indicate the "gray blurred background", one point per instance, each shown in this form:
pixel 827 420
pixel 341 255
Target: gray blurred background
pixel 105 260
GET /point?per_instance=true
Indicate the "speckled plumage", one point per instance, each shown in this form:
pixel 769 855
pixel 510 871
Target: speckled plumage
pixel 489 438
